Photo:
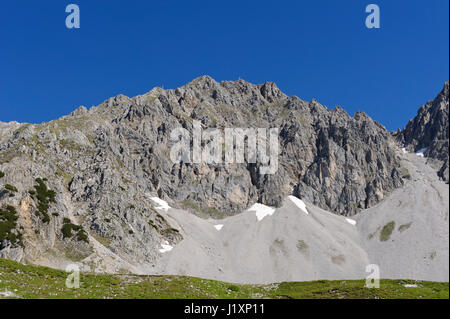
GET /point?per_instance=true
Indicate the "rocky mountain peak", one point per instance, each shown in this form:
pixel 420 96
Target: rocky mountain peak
pixel 79 111
pixel 105 167
pixel 429 132
pixel 270 92
pixel 204 82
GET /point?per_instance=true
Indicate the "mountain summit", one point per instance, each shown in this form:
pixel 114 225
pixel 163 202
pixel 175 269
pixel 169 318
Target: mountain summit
pixel 429 132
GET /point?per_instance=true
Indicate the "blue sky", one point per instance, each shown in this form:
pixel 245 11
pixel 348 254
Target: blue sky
pixel 313 49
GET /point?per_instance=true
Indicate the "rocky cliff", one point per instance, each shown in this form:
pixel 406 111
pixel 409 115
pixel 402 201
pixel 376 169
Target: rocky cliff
pixel 87 186
pixel 428 132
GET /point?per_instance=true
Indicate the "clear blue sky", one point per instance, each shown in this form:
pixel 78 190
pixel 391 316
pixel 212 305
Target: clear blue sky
pixel 313 49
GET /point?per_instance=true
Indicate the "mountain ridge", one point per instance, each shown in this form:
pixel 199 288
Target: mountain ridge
pixel 105 165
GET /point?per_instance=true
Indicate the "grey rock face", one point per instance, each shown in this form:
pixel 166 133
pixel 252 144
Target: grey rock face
pixel 106 163
pixel 430 130
pixel 338 162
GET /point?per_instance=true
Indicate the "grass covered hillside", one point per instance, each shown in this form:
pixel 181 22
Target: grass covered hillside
pixel 26 281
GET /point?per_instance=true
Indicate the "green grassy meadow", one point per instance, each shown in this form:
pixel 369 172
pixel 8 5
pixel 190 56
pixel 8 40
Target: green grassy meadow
pixel 30 282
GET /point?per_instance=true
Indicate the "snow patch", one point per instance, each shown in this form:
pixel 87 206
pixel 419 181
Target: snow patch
pixel 165 247
pixel 351 221
pixel 420 152
pixel 299 203
pixel 162 203
pixel 261 210
pixel 8 294
pixel 218 227
pixel 410 286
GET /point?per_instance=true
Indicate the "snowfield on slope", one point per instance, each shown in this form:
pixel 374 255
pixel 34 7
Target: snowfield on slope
pixel 165 247
pixel 261 211
pixel 162 203
pixel 403 235
pixel 299 203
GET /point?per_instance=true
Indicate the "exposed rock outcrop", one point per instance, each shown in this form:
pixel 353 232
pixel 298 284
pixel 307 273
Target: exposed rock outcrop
pixel 429 132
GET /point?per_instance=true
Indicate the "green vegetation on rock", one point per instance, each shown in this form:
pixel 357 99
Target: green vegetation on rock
pixel 11 188
pixel 44 197
pixel 68 227
pixel 387 231
pixel 203 212
pixel 8 224
pixel 44 194
pixel 404 227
